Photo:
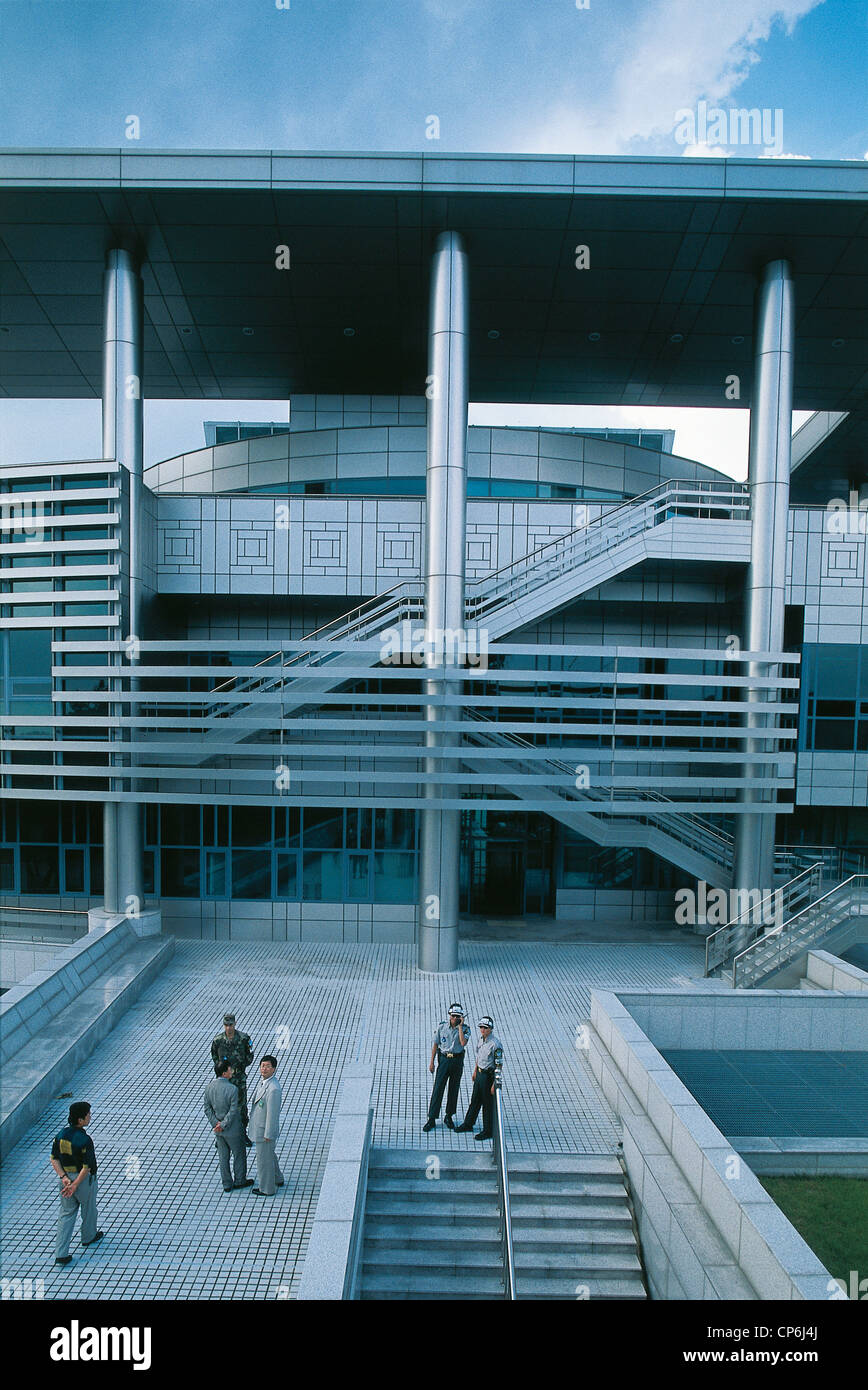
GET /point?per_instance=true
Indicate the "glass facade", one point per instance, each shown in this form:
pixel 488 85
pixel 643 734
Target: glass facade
pixel 415 487
pixel 834 699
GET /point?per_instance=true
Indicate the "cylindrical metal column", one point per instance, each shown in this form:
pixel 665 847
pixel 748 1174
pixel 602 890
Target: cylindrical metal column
pixel 765 592
pixel 122 439
pixel 446 493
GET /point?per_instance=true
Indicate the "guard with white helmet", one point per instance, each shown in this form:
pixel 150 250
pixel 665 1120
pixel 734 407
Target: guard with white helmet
pixel 483 1082
pixel 451 1037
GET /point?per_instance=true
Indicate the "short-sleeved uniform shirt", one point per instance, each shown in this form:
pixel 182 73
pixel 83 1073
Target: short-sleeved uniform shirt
pixel 446 1037
pixel 73 1149
pixel 485 1052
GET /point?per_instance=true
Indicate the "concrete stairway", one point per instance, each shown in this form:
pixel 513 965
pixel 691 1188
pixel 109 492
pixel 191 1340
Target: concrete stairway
pixel 431 1237
pixel 438 1236
pixel 572 1230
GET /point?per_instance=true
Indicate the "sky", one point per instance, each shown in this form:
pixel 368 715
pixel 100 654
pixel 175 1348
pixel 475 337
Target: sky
pixel 522 76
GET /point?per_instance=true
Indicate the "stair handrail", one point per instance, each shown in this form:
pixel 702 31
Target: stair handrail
pixel 500 1163
pixel 718 941
pixel 716 843
pixel 359 609
pixel 786 933
pixel 702 487
pixel 738 496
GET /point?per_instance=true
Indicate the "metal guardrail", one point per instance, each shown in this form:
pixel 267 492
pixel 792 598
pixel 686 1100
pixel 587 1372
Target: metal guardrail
pixel 665 500
pixel 500 1163
pixel 684 827
pixel 774 949
pixel 47 911
pixel 724 943
pixel 701 501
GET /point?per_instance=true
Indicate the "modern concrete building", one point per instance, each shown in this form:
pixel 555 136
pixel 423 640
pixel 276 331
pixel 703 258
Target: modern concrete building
pixel 354 677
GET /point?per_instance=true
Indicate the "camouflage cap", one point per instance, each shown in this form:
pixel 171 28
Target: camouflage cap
pixel 228 1018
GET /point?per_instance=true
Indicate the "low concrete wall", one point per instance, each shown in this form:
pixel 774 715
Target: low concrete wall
pixel 331 1262
pixel 826 971
pixel 758 1019
pixel 614 905
pixel 19 959
pixel 40 996
pixel 281 921
pixel 64 1013
pixel 709 1230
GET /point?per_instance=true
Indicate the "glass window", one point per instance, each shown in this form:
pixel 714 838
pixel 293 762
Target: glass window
pixel 287 826
pixel 358 877
pixel 394 830
pixel 7 871
pixel 394 877
pixel 359 829
pixel 323 827
pixel 179 825
pixel 179 873
pixel 251 872
pixel 251 825
pixel 39 869
pixel 73 871
pixel 37 821
pixel 322 876
pixel 215 873
pixel 287 876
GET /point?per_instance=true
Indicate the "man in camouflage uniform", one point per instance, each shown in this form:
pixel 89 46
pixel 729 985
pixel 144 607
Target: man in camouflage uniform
pixel 235 1048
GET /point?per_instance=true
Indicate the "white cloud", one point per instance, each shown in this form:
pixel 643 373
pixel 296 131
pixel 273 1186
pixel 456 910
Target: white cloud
pixel 680 52
pixel 703 151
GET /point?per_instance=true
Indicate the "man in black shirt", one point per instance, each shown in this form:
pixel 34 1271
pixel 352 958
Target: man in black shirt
pixel 74 1160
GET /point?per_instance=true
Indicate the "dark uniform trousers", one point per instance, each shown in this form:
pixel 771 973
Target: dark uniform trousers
pixel 481 1098
pixel 449 1070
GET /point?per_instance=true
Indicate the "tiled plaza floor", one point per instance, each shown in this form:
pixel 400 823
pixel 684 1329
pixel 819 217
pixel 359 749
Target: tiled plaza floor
pixel 171 1232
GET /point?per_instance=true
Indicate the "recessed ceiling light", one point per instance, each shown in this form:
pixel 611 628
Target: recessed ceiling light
pixel 837 342
pixel 594 337
pixel 494 333
pixel 248 332
pixel 676 337
pixel 349 333
pixel 739 338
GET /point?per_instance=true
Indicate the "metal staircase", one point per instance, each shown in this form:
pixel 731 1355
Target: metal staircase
pixel 824 865
pixel 545 579
pixel 783 944
pixel 685 840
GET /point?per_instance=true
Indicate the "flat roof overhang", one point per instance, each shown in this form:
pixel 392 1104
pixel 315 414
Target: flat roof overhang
pixel 662 317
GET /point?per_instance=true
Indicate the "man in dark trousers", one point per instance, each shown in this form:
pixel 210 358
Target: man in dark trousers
pixel 450 1040
pixel 235 1047
pixel 483 1082
pixel 74 1161
pixel 224 1116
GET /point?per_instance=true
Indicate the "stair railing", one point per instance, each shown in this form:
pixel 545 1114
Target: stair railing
pixel 688 829
pixel 721 945
pixel 500 1163
pixel 675 497
pixel 776 948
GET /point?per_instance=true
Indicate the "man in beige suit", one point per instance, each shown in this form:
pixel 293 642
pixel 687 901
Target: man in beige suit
pixel 265 1128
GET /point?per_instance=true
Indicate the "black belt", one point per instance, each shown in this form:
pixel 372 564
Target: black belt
pixel 451 1054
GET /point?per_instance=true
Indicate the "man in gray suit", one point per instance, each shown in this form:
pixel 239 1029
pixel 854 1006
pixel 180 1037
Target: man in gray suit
pixel 265 1127
pixel 224 1115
